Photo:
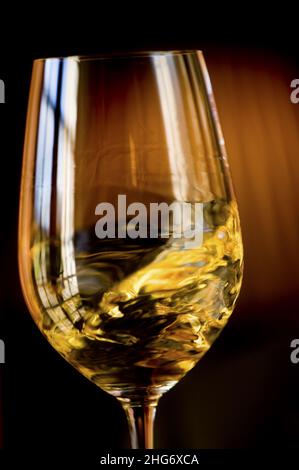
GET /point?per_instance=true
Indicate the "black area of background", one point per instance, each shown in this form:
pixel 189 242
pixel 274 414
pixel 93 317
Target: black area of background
pixel 46 403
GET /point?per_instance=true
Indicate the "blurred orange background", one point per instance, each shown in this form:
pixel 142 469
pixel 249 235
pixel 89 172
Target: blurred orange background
pixel 261 128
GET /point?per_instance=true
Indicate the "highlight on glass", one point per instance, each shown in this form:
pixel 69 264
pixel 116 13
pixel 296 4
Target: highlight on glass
pixel 130 248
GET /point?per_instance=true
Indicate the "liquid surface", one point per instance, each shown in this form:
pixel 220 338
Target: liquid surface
pixel 134 316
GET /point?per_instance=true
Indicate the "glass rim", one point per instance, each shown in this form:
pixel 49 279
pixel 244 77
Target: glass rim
pixel 124 55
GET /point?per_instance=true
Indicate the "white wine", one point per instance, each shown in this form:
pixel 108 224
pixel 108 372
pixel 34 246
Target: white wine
pixel 134 316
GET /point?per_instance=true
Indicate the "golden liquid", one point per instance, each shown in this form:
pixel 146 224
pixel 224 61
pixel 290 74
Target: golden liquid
pixel 134 316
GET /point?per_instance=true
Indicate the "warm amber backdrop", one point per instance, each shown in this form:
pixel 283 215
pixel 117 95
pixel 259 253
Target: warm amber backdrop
pixel 261 129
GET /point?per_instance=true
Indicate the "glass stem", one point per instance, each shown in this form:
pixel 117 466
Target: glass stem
pixel 141 424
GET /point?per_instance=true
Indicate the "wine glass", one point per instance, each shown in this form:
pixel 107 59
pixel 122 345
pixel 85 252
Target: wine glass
pixel 125 285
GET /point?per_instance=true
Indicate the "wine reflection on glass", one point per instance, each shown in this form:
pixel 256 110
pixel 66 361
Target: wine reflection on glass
pixel 128 301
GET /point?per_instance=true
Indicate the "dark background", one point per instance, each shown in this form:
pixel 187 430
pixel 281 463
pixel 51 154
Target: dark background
pixel 244 392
